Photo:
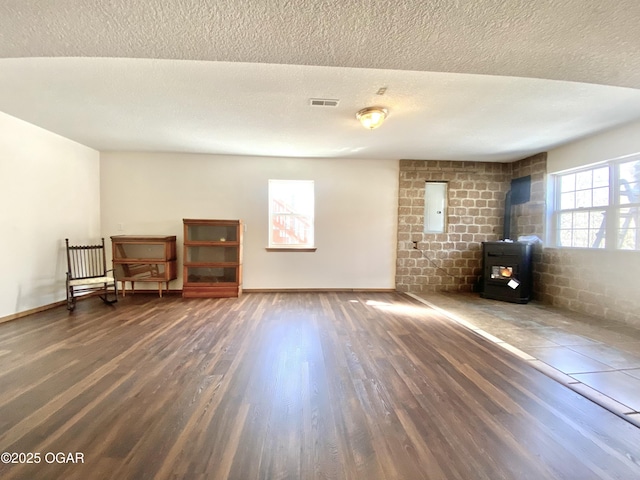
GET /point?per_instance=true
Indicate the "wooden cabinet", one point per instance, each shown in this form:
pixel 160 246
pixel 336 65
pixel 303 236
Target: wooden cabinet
pixel 212 258
pixel 144 258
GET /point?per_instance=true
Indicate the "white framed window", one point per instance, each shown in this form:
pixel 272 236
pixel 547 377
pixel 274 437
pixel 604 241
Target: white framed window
pixel 291 214
pixel 599 206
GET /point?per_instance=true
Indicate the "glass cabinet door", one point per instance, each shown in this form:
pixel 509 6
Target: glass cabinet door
pixel 211 233
pixel 140 271
pixel 211 274
pixel 126 251
pixel 211 254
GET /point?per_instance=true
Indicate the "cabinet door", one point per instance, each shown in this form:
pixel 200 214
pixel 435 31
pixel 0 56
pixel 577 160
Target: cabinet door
pixel 128 251
pixel 208 275
pixel 212 254
pixel 211 233
pixel 143 271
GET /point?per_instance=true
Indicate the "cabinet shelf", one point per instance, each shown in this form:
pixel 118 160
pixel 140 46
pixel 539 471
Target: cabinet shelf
pixel 212 258
pixel 144 258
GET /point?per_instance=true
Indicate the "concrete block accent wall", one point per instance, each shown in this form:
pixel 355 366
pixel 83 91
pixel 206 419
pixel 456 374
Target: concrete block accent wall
pixel 529 218
pixel 595 282
pixel 449 261
pixel 452 261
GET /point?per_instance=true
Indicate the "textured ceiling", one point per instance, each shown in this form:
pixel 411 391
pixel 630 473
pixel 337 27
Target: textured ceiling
pixel 190 75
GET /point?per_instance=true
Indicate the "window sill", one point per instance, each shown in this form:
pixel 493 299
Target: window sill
pixel 291 249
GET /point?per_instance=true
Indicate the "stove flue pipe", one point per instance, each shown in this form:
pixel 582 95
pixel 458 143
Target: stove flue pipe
pixel 506 230
pixel 520 192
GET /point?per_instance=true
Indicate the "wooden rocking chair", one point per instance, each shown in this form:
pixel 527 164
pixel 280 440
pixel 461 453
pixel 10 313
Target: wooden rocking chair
pixel 87 272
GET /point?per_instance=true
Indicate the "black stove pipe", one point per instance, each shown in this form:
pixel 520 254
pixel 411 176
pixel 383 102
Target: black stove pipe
pixel 520 193
pixel 506 230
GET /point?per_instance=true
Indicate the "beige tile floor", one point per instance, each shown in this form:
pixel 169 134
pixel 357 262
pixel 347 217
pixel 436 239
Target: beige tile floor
pixel 596 358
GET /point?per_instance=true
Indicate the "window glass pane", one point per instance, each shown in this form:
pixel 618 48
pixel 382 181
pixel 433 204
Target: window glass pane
pixel 601 177
pixel 291 212
pixel 584 180
pixel 626 218
pixel 567 201
pixel 597 229
pixel 601 196
pixel 582 229
pixel 568 182
pixel 594 240
pixel 583 199
pixel 629 239
pixel 629 182
pixel 566 220
pixel 580 238
pixel 628 228
pixel 565 238
pixel 596 219
pixel 581 220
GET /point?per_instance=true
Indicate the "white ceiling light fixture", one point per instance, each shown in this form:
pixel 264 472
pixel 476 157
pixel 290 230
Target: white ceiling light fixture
pixel 372 117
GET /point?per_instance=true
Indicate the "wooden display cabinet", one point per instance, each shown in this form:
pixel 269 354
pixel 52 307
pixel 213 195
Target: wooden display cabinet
pixel 144 258
pixel 212 258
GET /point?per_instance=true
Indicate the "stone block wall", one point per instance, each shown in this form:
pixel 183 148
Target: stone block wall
pixel 595 282
pixel 452 261
pixel 529 218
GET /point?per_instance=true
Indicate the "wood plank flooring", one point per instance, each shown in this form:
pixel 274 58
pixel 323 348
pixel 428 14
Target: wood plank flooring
pixel 289 386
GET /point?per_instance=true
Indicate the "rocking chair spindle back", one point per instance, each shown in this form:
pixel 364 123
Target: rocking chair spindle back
pixel 87 272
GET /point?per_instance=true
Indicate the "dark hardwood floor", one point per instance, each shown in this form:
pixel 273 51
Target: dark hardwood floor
pixel 288 386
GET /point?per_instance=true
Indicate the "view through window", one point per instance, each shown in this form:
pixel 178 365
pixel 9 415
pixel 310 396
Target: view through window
pixel 599 207
pixel 291 213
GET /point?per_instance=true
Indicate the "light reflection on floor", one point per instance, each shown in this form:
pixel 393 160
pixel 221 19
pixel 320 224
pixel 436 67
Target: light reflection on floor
pixel 600 360
pixel 414 311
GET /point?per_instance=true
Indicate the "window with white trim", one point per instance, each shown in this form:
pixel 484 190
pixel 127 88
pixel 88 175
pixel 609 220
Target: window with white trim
pixel 291 214
pixel 599 207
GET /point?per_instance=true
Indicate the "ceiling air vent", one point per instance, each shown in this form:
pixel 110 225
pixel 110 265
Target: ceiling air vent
pixel 323 102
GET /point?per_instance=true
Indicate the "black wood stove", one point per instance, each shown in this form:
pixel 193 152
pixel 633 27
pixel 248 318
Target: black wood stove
pixel 507 271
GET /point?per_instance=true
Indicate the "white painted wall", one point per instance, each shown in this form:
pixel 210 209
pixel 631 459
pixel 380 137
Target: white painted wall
pixel 609 145
pixel 50 191
pixel 356 212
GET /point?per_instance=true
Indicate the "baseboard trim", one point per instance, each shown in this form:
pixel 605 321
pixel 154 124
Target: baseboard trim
pixel 318 290
pixel 31 311
pixel 49 306
pixel 270 290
